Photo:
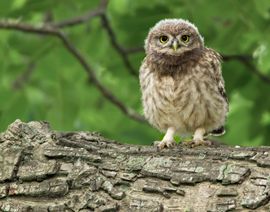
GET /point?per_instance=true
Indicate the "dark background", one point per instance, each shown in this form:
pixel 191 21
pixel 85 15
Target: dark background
pixel 42 79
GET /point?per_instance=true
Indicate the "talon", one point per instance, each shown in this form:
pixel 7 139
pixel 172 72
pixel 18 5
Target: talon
pixel 164 143
pixel 195 143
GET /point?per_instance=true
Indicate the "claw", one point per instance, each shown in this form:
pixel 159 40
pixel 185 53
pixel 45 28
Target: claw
pixel 164 143
pixel 198 142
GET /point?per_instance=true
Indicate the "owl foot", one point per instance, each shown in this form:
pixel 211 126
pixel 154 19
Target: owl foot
pixel 198 142
pixel 164 143
pixel 167 140
pixel 198 139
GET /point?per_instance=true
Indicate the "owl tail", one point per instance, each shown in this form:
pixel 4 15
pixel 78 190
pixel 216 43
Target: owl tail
pixel 218 132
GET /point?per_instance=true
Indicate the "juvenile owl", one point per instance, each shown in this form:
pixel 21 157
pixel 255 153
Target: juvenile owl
pixel 181 83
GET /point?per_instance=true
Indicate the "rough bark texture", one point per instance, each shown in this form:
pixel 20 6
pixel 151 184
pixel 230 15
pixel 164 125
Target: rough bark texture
pixel 43 170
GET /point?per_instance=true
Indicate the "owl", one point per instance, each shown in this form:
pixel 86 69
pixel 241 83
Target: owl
pixel 181 83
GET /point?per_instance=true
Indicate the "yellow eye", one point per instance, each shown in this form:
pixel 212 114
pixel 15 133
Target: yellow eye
pixel 163 39
pixel 185 38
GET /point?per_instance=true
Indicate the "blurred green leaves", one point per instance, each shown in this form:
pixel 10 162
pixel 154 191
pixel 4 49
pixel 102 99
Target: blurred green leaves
pixel 57 90
pixel 263 8
pixel 262 54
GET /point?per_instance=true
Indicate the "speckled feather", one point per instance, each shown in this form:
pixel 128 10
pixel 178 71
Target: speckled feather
pixel 186 90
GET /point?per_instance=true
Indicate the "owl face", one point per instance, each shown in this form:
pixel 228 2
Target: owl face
pixel 173 37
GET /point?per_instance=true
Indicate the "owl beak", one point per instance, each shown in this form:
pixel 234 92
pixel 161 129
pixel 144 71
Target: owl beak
pixel 175 45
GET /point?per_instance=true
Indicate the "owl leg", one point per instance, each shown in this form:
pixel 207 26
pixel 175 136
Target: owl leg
pixel 198 139
pixel 167 140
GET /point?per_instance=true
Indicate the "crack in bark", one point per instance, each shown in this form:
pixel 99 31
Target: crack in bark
pixel 84 171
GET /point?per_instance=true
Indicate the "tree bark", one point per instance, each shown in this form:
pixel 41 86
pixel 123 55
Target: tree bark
pixel 43 170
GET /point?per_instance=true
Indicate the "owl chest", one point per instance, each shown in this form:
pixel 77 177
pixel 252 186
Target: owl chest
pixel 175 94
pixel 166 92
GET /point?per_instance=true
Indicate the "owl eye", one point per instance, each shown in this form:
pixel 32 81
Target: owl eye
pixel 185 38
pixel 163 39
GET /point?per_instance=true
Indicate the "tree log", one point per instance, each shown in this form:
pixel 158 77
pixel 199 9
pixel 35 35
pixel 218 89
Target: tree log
pixel 44 170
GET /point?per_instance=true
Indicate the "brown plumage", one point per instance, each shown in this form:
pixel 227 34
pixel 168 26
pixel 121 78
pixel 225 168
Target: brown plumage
pixel 181 83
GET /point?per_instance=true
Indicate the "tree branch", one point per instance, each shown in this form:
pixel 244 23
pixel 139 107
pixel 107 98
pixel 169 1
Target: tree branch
pixel 84 18
pixel 121 51
pixel 83 171
pixel 134 50
pixel 49 30
pixel 124 52
pixel 246 60
pixel 101 12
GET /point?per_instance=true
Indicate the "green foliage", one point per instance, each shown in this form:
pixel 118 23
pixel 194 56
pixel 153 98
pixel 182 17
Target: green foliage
pixel 58 91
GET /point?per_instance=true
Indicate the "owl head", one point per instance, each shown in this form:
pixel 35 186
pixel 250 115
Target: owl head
pixel 173 37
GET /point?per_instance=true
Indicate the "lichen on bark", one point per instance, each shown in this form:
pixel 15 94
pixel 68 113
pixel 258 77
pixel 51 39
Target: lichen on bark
pixel 45 170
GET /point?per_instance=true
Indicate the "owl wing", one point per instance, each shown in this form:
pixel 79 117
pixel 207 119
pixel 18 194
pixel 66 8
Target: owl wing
pixel 217 73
